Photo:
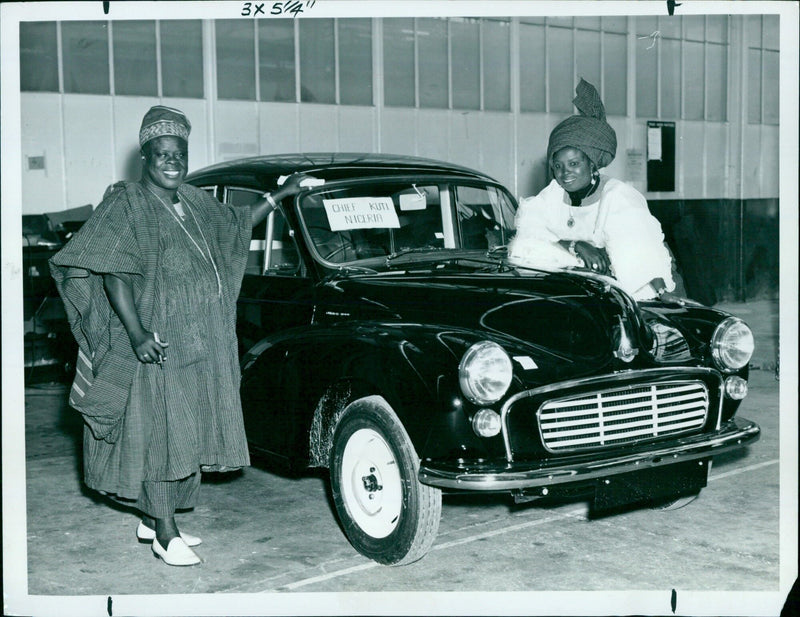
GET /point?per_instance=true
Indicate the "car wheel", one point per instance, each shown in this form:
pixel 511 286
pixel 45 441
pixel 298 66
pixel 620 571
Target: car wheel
pixel 674 504
pixel 387 514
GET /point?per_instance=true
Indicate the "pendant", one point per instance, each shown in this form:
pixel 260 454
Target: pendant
pixel 570 221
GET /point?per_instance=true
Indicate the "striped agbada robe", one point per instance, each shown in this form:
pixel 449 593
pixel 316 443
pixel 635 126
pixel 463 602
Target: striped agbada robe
pixel 151 422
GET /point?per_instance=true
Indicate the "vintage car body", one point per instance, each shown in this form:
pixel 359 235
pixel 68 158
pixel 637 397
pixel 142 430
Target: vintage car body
pixel 410 361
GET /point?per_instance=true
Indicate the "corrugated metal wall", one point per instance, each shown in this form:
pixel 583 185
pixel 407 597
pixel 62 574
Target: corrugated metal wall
pixel 89 141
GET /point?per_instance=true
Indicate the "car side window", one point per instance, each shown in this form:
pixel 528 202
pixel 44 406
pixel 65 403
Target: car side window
pixel 273 250
pixel 485 216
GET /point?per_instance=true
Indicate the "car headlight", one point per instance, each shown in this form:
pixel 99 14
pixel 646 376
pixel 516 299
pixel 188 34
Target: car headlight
pixel 485 373
pixel 732 344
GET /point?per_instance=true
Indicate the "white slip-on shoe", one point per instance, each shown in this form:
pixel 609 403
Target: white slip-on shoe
pixel 176 554
pixel 145 534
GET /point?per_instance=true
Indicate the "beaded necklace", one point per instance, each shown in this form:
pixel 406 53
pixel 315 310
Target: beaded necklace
pixel 209 258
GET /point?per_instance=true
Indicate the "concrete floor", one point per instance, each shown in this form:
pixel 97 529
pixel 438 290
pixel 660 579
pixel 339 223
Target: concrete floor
pixel 267 533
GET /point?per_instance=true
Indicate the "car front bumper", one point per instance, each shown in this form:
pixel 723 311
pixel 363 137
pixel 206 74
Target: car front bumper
pixel 735 434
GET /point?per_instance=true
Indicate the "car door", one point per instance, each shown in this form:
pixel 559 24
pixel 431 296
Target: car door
pixel 276 296
pixel 276 290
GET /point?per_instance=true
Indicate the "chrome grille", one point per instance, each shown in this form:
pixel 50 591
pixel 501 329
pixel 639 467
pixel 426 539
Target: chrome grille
pixel 623 415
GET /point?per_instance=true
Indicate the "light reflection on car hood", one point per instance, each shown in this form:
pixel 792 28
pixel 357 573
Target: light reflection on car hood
pixel 566 314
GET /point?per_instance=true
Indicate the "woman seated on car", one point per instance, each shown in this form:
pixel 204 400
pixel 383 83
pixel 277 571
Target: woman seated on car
pixel 589 220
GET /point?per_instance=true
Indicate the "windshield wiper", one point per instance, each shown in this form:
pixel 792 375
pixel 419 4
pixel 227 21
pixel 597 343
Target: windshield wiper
pixel 410 251
pixel 492 257
pixel 347 270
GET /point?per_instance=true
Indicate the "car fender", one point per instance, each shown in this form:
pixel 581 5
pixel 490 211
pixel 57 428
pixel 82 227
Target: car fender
pixel 330 366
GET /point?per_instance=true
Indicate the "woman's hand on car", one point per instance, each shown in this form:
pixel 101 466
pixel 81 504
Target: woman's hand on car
pixel 670 298
pixel 594 258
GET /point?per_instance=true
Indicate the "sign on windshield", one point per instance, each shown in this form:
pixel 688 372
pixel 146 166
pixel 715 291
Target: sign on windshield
pixel 361 213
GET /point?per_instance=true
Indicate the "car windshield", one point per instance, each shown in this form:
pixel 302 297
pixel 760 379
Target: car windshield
pixel 347 223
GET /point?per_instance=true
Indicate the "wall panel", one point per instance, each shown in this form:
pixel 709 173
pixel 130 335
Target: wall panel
pixel 236 130
pixel 42 189
pixel 465 139
pixel 497 146
pixel 88 150
pixel 689 150
pixel 434 127
pixel 751 161
pixel 771 161
pixel 128 114
pixel 357 129
pixel 319 128
pixel 509 146
pixel 716 147
pixel 398 130
pixel 278 128
pixel 618 167
pixel 531 167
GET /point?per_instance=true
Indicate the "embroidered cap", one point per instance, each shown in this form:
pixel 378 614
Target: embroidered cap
pixel 160 120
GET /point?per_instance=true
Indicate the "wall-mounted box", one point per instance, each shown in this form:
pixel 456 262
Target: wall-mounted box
pixel 35 162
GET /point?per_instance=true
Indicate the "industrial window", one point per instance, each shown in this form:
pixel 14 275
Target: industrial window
pixel 135 53
pixel 694 28
pixel 398 62
pixel 763 70
pixel 681 67
pixel 771 87
pixel 433 61
pixel 236 70
pixel 135 57
pixel 560 22
pixel 587 23
pixel 555 52
pixel 355 61
pixel 38 55
pixel 670 78
pixel 561 75
pixel 614 24
pixel 276 66
pixel 453 63
pixel 317 61
pixel 615 72
pixel 85 52
pixel 716 82
pixel 587 56
pixel 694 89
pixel 532 68
pixel 466 63
pixel 182 58
pixel 496 68
pixel 646 76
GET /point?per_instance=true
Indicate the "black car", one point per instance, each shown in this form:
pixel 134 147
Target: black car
pixel 385 336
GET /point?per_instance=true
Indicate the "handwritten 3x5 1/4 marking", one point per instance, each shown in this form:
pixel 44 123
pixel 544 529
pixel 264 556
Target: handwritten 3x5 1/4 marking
pixel 293 7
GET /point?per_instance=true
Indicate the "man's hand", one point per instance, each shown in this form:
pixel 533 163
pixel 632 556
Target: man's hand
pixel 148 348
pixel 292 185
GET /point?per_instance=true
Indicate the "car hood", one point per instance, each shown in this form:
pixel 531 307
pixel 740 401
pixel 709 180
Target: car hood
pixel 562 317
